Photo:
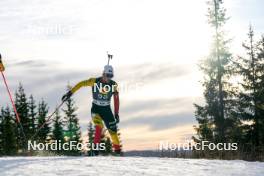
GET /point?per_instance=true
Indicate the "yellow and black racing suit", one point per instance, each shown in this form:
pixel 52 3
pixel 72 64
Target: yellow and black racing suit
pixel 101 107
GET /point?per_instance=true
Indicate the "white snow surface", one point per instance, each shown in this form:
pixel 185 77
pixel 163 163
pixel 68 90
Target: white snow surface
pixel 134 166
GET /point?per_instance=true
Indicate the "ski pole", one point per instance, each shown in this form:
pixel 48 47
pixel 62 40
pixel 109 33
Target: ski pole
pixel 46 121
pixel 13 104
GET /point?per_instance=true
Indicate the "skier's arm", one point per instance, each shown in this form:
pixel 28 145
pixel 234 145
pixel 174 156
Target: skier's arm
pixel 89 82
pixel 116 103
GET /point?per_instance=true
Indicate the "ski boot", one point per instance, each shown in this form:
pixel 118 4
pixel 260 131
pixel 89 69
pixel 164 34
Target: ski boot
pixel 118 153
pixel 93 153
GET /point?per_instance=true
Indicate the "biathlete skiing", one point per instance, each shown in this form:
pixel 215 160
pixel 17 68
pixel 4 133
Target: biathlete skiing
pixel 103 88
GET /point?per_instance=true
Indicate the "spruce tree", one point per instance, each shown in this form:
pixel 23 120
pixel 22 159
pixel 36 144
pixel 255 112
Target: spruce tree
pixel 120 139
pixel 108 146
pixel 44 132
pixel 251 69
pixel 8 132
pixel 32 115
pixel 260 102
pixel 1 132
pixel 57 131
pixel 213 114
pixel 22 109
pixel 106 141
pixel 72 132
pixel 91 132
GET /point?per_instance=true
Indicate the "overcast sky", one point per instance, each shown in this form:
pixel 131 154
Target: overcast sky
pixel 156 46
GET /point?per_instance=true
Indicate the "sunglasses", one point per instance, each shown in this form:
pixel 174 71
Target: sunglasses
pixel 109 75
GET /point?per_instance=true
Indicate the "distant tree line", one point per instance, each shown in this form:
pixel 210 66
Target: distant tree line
pixel 233 110
pixel 61 128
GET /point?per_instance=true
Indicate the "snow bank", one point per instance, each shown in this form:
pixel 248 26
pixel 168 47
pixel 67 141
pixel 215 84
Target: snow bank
pixel 85 166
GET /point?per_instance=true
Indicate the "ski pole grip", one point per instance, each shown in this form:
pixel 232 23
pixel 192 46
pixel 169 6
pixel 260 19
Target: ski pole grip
pixel 2 68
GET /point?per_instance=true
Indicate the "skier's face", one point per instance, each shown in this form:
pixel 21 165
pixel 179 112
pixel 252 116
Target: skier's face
pixel 107 77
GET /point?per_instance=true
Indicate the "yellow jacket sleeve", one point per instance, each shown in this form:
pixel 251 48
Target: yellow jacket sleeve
pixel 89 82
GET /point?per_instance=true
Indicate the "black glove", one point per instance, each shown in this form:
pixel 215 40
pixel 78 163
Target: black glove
pixel 117 118
pixel 66 96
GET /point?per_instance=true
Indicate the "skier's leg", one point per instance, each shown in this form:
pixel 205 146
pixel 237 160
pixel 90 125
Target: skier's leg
pixel 98 123
pixel 115 141
pixel 110 123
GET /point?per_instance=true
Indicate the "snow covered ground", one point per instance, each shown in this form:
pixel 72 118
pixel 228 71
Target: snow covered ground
pixel 136 166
